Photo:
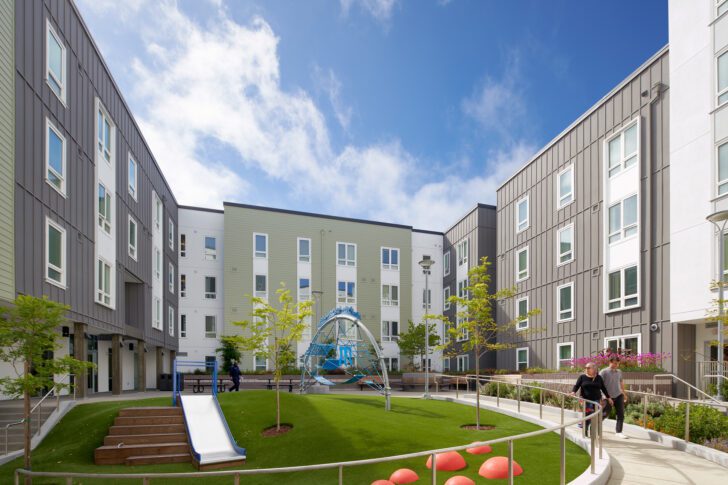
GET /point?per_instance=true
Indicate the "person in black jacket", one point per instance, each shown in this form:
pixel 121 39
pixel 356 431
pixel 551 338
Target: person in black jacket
pixel 235 376
pixel 592 386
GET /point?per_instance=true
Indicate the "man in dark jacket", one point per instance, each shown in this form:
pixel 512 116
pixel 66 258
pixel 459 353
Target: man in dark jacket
pixel 235 376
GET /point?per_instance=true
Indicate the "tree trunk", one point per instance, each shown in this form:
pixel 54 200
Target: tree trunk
pixel 477 388
pixel 26 424
pixel 278 404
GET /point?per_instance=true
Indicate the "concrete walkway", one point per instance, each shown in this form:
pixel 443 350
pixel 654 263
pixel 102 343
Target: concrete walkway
pixel 635 460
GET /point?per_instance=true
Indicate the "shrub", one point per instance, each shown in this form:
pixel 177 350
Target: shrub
pixel 712 389
pixel 706 423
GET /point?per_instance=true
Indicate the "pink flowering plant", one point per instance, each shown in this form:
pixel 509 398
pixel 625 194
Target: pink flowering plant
pixel 646 362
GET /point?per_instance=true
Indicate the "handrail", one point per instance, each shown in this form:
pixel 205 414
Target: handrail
pixel 720 376
pixel 690 386
pixel 596 416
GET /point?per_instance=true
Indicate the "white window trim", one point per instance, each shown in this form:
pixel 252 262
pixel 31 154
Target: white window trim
pixel 182 247
pixel 446 298
pixel 718 94
pixel 528 264
pixel 62 190
pixel 623 159
pixel 717 170
pixel 389 337
pixel 299 296
pixel 255 365
pixel 211 254
pixel 718 4
pixel 446 257
pixel 132 254
pixel 558 352
pixel 256 293
pixel 171 320
pixel 158 211
pixel 255 250
pixel 527 221
pixel 183 328
pixel 558 245
pixel 156 314
pixel 105 219
pixel 213 295
pixel 170 278
pixel 460 359
pixel 64 257
pixel 170 233
pixel 112 133
pixel 558 300
pixel 131 160
pixel 390 266
pixel 622 227
pixel 346 254
pixel 157 256
pixel 64 64
pixel 621 339
pixel 298 250
pixel 98 300
pixel 528 357
pixel 347 300
pixel 622 283
pixel 572 194
pixel 463 335
pixel 183 288
pixel 522 325
pixel 390 301
pixel 461 251
pixel 204 323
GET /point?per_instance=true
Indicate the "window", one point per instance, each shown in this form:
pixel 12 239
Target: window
pixel 624 344
pixel 157 323
pixel 104 134
pixel 210 248
pixel 261 363
pixel 722 78
pixel 446 364
pixel 346 254
pixel 622 150
pixel 132 238
pixel 170 278
pixel 304 250
pixel 103 283
pixel 623 219
pixel 623 288
pixel 157 263
pixel 55 158
pixel 261 286
pixel 565 194
pixel 462 288
pixel 522 264
pixel 304 289
pixel 210 326
pixel 390 295
pixel 446 262
pixel 104 209
pixel 565 353
pixel 725 254
pixel 157 211
pixel 170 234
pixel 565 245
pixel 392 364
pixel 210 287
pixel 210 361
pixel 55 249
pixel 390 258
pixel 132 176
pixel 522 215
pixel 522 358
pixel 182 246
pixel 182 285
pixel 346 292
pixel 462 252
pixel 183 326
pixel 463 363
pixel 723 168
pixel 55 63
pixel 170 321
pixel 390 331
pixel 522 312
pixel 261 245
pixel 463 333
pixel 565 302
pixel 446 298
pixel 426 299
pixel 722 6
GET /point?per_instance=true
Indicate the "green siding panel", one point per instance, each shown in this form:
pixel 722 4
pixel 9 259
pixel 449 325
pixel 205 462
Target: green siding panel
pixel 7 149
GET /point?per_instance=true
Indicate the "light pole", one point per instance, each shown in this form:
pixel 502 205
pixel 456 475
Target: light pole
pixel 719 220
pixel 426 264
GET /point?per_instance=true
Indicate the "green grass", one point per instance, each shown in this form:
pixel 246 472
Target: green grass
pixel 327 428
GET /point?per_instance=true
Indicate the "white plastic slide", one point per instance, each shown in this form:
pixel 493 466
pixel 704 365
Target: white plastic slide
pixel 210 436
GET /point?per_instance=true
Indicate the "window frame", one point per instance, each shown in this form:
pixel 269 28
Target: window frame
pixel 170 233
pixel 462 363
pixel 170 277
pixel 183 325
pixel 63 252
pixel 390 335
pixel 210 254
pixel 462 249
pixel 132 249
pixel 446 298
pixel 522 324
pixel 182 245
pixel 210 295
pixel 212 334
pixel 446 263
pixel 518 361
pixel 622 287
pixel 559 254
pixel 157 263
pixel 559 311
pixel 104 220
pixel 560 204
pixel 64 64
pixel 527 270
pixel 102 113
pixel 158 211
pixel 527 221
pixel 461 288
pixel 300 256
pixel 718 181
pixel 718 5
pixel 257 293
pixel 463 334
pixel 301 295
pixel 133 189
pixel 264 254
pixel 102 293
pixel 621 232
pixel 620 341
pixel 157 314
pixel 347 300
pixel 390 301
pixel 724 91
pixel 257 366
pixel 183 285
pixel 622 165
pixel 62 190
pixel 170 320
pixel 558 353
pixel 346 261
pixel 391 251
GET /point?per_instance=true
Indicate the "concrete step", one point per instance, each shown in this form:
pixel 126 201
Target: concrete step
pixel 147 429
pixel 139 439
pixel 151 411
pixel 115 455
pixel 156 459
pixel 148 420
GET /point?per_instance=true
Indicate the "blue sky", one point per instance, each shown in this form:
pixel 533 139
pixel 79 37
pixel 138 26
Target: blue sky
pixel 393 110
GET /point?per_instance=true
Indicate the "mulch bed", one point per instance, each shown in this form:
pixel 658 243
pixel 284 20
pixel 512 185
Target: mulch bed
pixel 272 431
pixel 473 427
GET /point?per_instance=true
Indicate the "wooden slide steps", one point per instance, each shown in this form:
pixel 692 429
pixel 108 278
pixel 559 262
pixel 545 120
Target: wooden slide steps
pixel 145 436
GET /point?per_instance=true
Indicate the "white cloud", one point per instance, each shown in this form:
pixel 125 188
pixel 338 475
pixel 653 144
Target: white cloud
pixel 330 84
pixel 381 10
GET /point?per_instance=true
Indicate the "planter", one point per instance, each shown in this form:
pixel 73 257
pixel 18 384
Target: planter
pixel 636 381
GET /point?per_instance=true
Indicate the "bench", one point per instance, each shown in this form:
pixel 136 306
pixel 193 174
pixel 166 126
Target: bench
pixel 199 384
pixel 417 379
pixel 272 384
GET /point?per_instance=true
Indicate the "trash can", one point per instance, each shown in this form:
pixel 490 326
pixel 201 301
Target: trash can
pixel 165 382
pixel 180 381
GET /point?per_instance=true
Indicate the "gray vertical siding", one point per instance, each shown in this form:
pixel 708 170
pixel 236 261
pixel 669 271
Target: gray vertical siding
pixel 7 150
pixel 88 77
pixel 582 146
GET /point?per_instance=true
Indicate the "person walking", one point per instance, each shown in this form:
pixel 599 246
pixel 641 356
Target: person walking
pixel 615 385
pixel 235 376
pixel 592 386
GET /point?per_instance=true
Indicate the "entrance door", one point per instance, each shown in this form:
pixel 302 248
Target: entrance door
pixel 92 382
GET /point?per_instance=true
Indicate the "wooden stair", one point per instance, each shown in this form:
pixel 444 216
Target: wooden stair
pixel 145 436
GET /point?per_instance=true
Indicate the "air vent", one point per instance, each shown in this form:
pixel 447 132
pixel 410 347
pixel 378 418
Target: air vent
pixel 595 335
pixel 595 208
pixel 595 272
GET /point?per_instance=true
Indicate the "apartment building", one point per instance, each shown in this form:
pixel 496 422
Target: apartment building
pixel 88 218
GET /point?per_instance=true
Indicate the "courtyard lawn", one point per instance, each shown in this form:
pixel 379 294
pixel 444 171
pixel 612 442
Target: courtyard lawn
pixel 327 428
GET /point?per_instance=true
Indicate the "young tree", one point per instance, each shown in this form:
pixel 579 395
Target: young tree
pixel 28 336
pixel 273 332
pixel 412 342
pixel 229 351
pixel 476 318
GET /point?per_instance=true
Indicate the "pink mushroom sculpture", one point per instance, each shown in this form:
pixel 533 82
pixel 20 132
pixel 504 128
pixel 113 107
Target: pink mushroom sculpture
pixel 403 475
pixel 449 461
pixel 497 467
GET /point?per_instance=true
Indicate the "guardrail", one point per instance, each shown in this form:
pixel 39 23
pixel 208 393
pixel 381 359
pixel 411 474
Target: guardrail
pixel 683 381
pixel 595 417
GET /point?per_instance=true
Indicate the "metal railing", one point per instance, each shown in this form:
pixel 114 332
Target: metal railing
pixel 39 408
pixel 707 367
pixel 596 442
pixel 683 381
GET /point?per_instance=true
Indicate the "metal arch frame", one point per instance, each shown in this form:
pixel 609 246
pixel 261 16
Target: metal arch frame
pixel 349 314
